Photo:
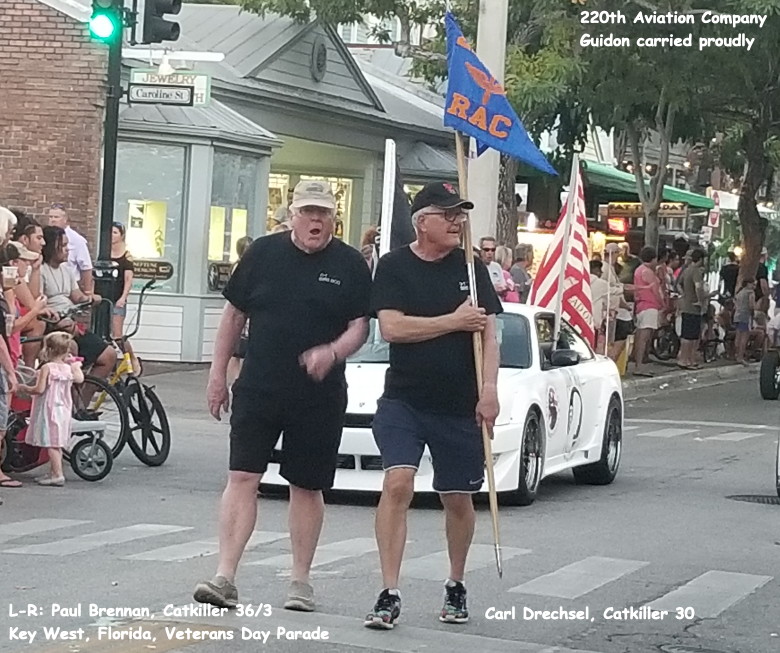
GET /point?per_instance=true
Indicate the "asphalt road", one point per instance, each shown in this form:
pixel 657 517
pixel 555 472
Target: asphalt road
pixel 665 534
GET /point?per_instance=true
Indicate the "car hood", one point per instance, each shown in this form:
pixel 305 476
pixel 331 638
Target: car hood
pixel 366 383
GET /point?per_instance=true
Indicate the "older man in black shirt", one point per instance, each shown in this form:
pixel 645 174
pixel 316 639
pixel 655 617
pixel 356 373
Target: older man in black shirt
pixel 421 297
pixel 306 295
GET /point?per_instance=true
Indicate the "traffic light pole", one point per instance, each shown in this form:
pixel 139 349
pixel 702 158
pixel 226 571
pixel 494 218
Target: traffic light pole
pixel 110 139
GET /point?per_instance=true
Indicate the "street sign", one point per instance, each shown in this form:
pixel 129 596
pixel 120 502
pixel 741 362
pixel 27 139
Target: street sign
pixel 152 269
pixel 201 82
pixel 667 210
pixel 713 219
pixel 182 96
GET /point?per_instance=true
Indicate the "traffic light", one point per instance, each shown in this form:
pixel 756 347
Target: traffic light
pixel 156 28
pixel 106 22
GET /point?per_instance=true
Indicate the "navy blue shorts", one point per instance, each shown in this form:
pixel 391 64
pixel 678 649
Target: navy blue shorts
pixel 455 443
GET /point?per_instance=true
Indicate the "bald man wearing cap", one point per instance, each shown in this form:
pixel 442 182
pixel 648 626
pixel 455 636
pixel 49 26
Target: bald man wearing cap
pixel 306 295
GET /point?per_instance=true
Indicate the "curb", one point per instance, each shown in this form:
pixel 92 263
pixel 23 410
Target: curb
pixel 688 380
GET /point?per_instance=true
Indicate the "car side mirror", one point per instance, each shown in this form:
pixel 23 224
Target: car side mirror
pixel 564 358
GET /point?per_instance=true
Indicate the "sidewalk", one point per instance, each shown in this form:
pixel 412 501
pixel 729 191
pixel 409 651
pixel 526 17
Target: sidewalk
pixel 184 384
pixel 668 377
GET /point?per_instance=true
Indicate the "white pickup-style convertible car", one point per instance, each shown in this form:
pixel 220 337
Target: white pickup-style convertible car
pixel 561 408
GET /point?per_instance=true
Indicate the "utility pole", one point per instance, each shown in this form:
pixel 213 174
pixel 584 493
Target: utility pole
pixel 110 139
pixel 483 171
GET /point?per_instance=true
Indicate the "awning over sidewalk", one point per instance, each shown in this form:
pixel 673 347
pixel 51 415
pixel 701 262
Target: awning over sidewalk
pixel 618 184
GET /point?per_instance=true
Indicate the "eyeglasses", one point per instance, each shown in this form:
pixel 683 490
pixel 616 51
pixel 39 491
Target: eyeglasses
pixel 488 249
pixel 58 205
pixel 450 216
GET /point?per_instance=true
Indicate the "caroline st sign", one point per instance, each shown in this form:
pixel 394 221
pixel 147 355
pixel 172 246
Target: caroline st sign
pixel 199 82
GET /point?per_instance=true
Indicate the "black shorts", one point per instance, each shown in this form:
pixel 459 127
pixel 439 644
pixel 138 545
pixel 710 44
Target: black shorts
pixel 312 434
pixel 90 347
pixel 623 329
pixel 455 442
pixel 691 326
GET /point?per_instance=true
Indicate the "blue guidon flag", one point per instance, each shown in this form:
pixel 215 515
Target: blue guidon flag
pixel 477 104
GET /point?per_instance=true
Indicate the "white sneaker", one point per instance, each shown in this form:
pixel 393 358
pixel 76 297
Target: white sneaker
pixel 51 481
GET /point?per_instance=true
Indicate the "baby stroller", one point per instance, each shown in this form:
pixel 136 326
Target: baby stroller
pixel 88 455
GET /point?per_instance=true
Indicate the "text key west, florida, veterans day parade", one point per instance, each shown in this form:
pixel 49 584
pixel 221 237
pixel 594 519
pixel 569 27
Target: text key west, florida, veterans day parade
pixel 362 328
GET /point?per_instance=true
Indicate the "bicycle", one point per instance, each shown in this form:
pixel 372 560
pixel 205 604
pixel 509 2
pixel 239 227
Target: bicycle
pixel 152 446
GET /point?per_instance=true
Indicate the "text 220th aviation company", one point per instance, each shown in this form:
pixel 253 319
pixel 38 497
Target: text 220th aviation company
pixel 671 18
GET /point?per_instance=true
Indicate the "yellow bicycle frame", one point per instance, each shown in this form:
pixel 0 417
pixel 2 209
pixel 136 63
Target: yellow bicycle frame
pixel 124 367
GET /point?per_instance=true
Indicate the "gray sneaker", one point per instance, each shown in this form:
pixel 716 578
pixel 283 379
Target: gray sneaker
pixel 300 597
pixel 218 591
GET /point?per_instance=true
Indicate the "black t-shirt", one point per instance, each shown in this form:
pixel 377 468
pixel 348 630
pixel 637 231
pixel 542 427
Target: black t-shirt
pixel 436 375
pixel 295 301
pixel 761 273
pixel 125 264
pixel 729 274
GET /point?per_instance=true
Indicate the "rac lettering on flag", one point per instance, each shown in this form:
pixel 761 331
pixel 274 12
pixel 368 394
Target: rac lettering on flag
pixel 496 125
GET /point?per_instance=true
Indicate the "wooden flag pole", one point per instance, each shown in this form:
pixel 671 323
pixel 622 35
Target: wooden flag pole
pixel 478 356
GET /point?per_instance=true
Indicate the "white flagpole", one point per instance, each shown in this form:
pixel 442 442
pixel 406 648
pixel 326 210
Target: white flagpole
pixel 388 198
pixel 610 263
pixel 571 203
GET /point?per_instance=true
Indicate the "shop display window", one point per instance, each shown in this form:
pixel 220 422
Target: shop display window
pixel 151 179
pixel 233 198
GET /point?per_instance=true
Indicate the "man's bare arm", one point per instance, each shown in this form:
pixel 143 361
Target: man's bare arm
pixel 351 340
pixel 401 328
pixel 87 282
pixel 228 333
pixel 490 362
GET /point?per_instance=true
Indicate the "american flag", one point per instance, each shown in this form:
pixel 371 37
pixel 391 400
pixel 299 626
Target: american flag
pixel 577 306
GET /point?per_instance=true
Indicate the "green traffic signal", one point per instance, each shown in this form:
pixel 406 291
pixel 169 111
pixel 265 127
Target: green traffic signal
pixel 106 21
pixel 103 27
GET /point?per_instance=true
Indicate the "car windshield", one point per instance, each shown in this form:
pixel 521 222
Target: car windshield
pixel 513 341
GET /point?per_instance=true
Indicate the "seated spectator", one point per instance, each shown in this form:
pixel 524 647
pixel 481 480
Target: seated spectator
pixel 63 293
pixel 29 234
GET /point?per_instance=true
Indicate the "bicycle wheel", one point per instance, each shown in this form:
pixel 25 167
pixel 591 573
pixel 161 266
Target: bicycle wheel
pixel 96 400
pixel 150 435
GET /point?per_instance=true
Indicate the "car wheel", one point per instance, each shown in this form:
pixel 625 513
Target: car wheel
pixel 604 471
pixel 768 376
pixel 531 463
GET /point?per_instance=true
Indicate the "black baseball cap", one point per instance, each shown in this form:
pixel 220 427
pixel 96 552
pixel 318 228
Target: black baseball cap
pixel 440 194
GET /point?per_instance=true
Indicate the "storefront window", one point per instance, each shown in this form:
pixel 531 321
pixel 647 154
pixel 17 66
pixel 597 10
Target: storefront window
pixel 149 202
pixel 233 197
pixel 279 198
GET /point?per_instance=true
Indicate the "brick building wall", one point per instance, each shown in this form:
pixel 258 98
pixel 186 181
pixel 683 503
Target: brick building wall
pixel 52 96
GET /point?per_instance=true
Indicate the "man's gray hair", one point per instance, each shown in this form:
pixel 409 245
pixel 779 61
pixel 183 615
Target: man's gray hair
pixel 418 214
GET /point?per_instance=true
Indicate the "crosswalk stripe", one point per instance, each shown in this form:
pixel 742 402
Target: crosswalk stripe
pixel 711 593
pixel 701 424
pixel 201 548
pixel 92 541
pixel 435 566
pixel 630 428
pixel 326 554
pixel 19 529
pixel 579 578
pixel 733 436
pixel 666 433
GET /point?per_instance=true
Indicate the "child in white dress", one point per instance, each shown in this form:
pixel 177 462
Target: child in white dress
pixel 52 405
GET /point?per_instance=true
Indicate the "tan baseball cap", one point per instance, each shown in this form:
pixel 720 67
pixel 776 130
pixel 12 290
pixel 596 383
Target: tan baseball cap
pixel 313 193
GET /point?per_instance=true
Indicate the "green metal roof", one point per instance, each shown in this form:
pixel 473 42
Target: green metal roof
pixel 624 183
